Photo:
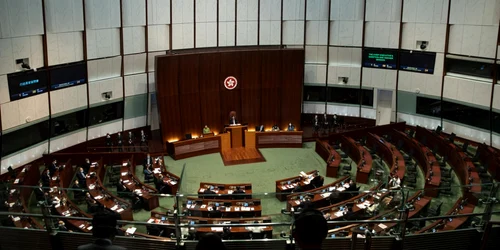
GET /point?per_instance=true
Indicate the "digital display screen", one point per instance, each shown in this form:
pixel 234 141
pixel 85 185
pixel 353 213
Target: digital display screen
pixel 27 83
pixel 68 75
pixel 380 58
pixel 416 61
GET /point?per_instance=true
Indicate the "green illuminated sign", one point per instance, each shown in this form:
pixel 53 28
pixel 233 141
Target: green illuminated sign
pixel 380 57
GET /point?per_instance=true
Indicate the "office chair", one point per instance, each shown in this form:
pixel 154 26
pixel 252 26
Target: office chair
pixel 12 173
pixel 434 210
pixel 189 136
pixel 438 129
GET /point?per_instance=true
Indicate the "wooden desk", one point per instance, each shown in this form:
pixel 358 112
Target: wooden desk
pixel 236 208
pixel 278 139
pixel 319 195
pixel 360 155
pixel 18 196
pixel 285 186
pixel 169 179
pixel 359 207
pixel 194 147
pixel 237 140
pixel 490 158
pixel 226 191
pixel 457 222
pixel 425 159
pixel 161 219
pixel 106 198
pixel 331 157
pixel 390 154
pixel 136 186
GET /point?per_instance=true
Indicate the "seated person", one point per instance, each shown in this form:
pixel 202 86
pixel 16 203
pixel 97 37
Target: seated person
pixel 147 172
pixel 317 181
pixel 395 182
pixel 276 128
pixel 40 193
pixel 260 128
pixel 53 168
pixel 92 205
pixel 61 226
pixel 206 130
pixel 148 162
pixel 232 120
pixel 120 187
pixel 82 177
pixel 86 165
pixel 306 203
pixel 291 127
pixel 46 178
pixel 209 190
pixel 335 197
pixel 78 189
pixel 238 190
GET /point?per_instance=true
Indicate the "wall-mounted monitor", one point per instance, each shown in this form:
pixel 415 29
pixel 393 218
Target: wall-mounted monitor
pixel 380 58
pixel 417 61
pixel 27 83
pixel 68 75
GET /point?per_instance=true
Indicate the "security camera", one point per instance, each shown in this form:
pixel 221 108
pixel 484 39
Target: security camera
pixel 345 80
pixel 423 45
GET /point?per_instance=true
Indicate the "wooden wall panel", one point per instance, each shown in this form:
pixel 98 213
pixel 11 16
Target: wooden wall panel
pixel 209 82
pixel 230 100
pixel 271 87
pixel 189 94
pixel 250 88
pixel 167 79
pixel 291 88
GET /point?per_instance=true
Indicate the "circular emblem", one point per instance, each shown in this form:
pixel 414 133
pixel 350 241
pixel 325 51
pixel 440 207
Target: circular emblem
pixel 230 82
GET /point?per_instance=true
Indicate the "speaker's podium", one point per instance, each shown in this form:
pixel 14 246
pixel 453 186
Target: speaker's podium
pixel 236 135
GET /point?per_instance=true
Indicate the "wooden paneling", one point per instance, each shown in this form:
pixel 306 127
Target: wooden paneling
pixel 291 87
pixel 230 100
pixel 250 88
pixel 167 79
pixel 189 94
pixel 249 139
pixel 271 87
pixel 209 88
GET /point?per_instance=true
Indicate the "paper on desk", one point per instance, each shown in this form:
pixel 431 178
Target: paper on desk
pixel 57 205
pixel 91 186
pixel 54 178
pixel 361 206
pixel 201 190
pixel 24 170
pixel 16 181
pixel 119 210
pixel 81 226
pixel 236 208
pixel 230 191
pixel 126 181
pixel 11 204
pixel 12 191
pixel 151 220
pixel 382 226
pixel 324 195
pixel 302 173
pixel 124 173
pixel 173 182
pixel 341 189
pixel 98 197
pixel 297 202
pixel 125 164
pixel 16 219
pixel 188 206
pixel 114 207
pixel 217 229
pixel 339 214
pixel 228 209
pixel 203 206
pixel 131 230
pixel 252 208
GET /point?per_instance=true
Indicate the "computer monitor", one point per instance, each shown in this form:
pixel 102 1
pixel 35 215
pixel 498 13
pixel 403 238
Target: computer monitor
pixel 191 223
pixel 217 204
pixel 163 218
pixel 289 182
pixel 245 204
pixel 189 136
pixel 189 202
pixel 439 129
pixel 301 197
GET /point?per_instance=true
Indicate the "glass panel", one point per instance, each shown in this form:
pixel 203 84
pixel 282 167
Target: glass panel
pixel 429 106
pixel 314 93
pixel 367 97
pixel 479 69
pixel 466 114
pixel 25 137
pixel 105 113
pixel 344 95
pixel 70 122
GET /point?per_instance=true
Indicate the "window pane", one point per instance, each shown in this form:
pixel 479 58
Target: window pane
pixel 105 113
pixel 479 69
pixel 67 123
pixel 367 97
pixel 25 137
pixel 343 95
pixel 429 106
pixel 466 115
pixel 314 93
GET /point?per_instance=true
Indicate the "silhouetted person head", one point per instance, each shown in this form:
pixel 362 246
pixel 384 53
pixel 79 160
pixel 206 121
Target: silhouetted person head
pixel 310 229
pixel 210 241
pixel 104 226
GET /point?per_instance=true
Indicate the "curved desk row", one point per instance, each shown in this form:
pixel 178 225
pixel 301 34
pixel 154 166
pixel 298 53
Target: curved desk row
pixel 460 207
pixel 360 155
pixel 225 191
pixel 103 196
pixel 425 159
pixel 389 153
pixel 285 186
pixel 28 176
pixel 169 179
pixel 135 185
pixel 223 208
pixel 459 161
pixel 320 196
pixel 331 157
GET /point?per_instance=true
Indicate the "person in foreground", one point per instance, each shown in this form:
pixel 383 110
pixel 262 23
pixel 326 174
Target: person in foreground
pixel 104 230
pixel 310 229
pixel 210 241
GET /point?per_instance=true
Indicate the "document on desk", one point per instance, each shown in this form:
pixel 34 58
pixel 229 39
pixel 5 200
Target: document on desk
pixel 120 210
pixel 236 208
pixel 297 202
pixel 339 214
pixel 57 205
pixel 126 181
pixel 16 181
pixel 217 229
pixel 203 206
pixel 124 173
pixel 324 195
pixel 230 191
pixel 188 206
pixel 81 226
pixel 11 204
pixel 173 182
pixel 124 164
pixel 151 220
pixel 361 206
pixel 24 170
pixel 131 230
pixel 16 218
pixel 89 228
pixel 98 197
pixel 91 186
pixel 201 190
pixel 228 209
pixel 114 207
pixel 382 226
pixel 341 189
